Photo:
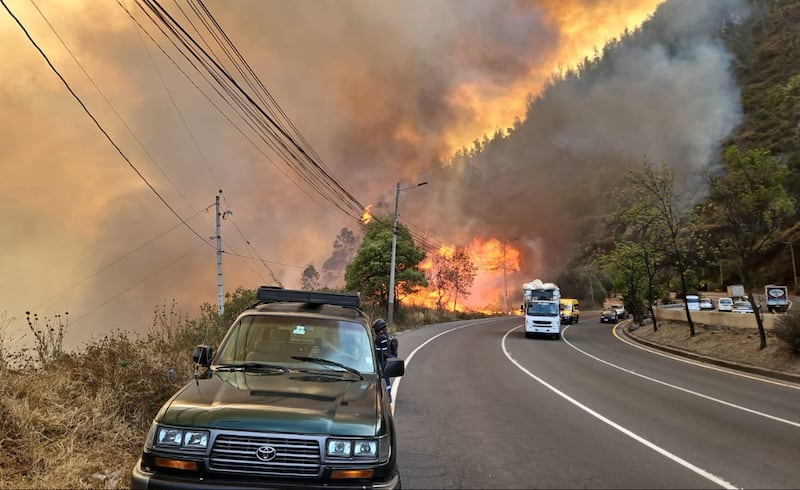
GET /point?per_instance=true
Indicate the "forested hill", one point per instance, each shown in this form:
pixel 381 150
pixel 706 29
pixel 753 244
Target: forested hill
pixel 767 50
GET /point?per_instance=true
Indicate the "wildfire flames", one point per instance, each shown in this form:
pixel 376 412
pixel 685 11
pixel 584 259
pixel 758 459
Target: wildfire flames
pixel 367 216
pixel 493 260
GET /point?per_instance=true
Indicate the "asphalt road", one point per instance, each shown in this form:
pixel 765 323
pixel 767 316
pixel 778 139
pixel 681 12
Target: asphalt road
pixel 481 406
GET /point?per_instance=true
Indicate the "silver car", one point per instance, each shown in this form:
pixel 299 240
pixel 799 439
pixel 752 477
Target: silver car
pixel 742 307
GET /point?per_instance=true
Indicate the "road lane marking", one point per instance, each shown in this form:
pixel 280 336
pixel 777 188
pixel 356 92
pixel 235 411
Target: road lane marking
pixel 396 382
pixel 696 469
pixel 680 388
pixel 675 357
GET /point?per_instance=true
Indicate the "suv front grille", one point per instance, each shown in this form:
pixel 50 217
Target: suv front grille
pixel 293 457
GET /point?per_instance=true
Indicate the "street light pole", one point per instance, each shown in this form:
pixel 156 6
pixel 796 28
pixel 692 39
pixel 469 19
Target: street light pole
pixel 394 247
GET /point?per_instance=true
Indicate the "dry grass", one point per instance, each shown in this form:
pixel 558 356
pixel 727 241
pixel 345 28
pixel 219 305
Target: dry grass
pixel 739 345
pixel 79 420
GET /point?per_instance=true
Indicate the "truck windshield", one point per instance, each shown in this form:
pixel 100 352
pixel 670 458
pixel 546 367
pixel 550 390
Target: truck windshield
pixel 542 309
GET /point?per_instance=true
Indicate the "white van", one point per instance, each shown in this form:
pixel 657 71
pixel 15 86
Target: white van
pixel 693 302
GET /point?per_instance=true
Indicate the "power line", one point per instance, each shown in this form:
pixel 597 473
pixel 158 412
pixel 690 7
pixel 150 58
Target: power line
pixel 99 126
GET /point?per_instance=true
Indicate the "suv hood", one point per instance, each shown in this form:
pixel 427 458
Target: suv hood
pixel 295 402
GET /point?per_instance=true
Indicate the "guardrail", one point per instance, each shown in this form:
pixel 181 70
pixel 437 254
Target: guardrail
pixel 724 318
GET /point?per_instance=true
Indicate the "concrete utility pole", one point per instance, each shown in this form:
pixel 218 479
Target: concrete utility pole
pixel 505 281
pixel 390 318
pixel 220 294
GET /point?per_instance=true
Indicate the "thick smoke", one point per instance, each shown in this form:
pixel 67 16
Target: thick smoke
pixel 384 91
pixel 667 94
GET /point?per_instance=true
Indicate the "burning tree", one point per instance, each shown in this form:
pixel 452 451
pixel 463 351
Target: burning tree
pixel 452 275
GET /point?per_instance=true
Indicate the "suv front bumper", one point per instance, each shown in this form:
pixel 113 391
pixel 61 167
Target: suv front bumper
pixel 141 479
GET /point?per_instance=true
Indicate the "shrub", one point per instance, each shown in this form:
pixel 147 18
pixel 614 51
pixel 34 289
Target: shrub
pixel 787 329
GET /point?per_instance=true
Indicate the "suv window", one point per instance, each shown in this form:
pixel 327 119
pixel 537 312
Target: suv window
pixel 277 339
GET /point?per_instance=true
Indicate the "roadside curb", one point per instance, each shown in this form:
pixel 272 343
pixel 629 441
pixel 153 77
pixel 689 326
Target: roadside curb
pixel 624 326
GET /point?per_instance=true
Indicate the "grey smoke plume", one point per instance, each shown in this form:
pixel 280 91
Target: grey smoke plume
pixel 668 93
pixel 382 90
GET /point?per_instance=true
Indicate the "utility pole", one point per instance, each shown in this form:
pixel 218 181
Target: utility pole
pixel 220 295
pixel 394 248
pixel 505 280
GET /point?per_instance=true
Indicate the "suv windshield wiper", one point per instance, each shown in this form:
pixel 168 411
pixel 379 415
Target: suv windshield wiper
pixel 328 362
pixel 250 366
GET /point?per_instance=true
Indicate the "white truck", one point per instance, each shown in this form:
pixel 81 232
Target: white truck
pixel 540 308
pixel 735 291
pixel 777 298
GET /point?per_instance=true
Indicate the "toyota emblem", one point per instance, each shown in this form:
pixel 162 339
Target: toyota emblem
pixel 266 453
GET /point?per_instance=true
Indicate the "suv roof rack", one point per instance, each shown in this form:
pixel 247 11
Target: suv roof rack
pixel 272 294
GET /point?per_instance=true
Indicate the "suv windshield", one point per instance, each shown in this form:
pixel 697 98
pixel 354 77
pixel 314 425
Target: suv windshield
pixel 292 342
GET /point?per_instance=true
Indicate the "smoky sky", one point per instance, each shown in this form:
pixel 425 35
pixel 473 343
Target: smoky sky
pixel 385 92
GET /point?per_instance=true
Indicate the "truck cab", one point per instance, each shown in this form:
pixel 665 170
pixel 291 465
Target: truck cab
pixel 542 318
pixel 541 309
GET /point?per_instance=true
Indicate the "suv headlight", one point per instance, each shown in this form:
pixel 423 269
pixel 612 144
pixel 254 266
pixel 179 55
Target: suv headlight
pixel 358 449
pixel 175 437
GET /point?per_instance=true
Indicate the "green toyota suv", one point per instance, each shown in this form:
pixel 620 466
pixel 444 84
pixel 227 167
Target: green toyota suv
pixel 293 398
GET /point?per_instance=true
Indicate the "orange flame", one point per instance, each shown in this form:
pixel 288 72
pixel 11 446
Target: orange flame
pixel 367 216
pixel 493 260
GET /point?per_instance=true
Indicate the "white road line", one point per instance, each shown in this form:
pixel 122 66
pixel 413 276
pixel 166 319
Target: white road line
pixel 703 365
pixel 680 388
pixel 703 473
pixel 396 382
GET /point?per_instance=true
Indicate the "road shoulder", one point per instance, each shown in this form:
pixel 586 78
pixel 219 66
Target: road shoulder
pixel 731 348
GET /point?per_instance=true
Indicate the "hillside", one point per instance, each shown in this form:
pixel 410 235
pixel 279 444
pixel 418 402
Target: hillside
pixel 765 49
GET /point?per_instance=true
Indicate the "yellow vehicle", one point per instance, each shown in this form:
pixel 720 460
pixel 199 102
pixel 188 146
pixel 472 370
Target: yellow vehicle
pixel 570 311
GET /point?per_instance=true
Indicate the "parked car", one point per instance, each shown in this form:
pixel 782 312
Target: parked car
pixel 609 316
pixel 725 304
pixel 693 302
pixel 742 307
pixel 706 304
pixel 295 397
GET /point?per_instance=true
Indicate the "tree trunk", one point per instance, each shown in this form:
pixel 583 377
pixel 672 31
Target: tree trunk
pixel 686 304
pixel 762 334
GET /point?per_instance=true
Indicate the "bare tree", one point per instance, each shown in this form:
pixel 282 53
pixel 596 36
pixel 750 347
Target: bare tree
pixel 659 217
pixel 749 205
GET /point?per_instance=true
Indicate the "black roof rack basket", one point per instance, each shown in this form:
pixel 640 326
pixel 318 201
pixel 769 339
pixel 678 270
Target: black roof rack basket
pixel 271 294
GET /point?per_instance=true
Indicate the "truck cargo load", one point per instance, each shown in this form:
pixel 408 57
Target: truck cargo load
pixel 777 298
pixel 735 291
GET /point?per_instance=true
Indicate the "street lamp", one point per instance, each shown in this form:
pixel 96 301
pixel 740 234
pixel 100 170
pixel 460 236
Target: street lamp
pixel 394 247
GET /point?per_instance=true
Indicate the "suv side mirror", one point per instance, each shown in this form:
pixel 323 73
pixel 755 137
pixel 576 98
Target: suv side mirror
pixel 202 355
pixel 394 368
